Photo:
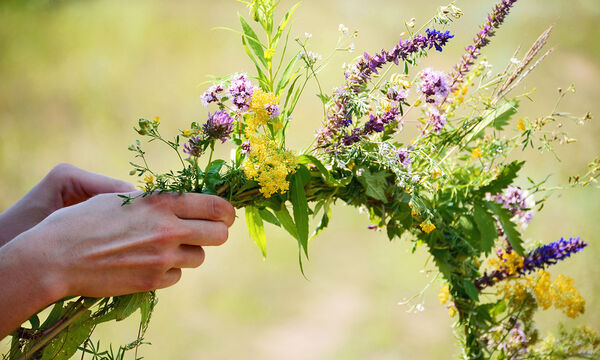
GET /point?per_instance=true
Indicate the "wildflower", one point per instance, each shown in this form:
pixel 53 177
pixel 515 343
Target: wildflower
pixel 395 93
pixel 567 298
pixel 436 120
pixel 427 227
pixel 343 29
pixel 310 58
pixel 404 158
pixel 444 294
pixel 213 94
pixel 194 147
pixel 240 91
pixel 149 179
pixel 219 126
pixel 269 165
pixel 246 147
pixel 434 85
pixel 518 201
pixel 494 21
pixel 477 153
pixel 307 35
pixel 264 107
pixel 156 121
pixel 536 260
pixel 521 125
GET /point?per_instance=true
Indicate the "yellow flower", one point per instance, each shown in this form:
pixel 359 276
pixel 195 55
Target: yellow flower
pixel 477 153
pixel 190 132
pixel 567 298
pixel 156 121
pixel 521 125
pixel 414 212
pixel 444 294
pixel 269 165
pixel 258 107
pixel 436 174
pixel 149 179
pixel 452 311
pixel 427 227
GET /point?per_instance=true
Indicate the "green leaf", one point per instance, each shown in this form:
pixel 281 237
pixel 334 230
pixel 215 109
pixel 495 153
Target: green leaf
pixel 34 320
pixel 375 184
pixel 283 215
pixel 471 290
pixel 284 22
pixel 507 175
pixel 497 116
pixel 286 76
pixel 253 41
pixel 65 344
pixel 58 310
pixel 504 216
pixel 487 227
pixel 262 78
pixel 300 205
pixel 256 228
pixel 127 305
pixel 212 177
pixel 269 217
pixel 323 223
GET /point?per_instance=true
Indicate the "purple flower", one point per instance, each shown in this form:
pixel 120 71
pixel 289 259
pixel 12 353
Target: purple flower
pixel 494 21
pixel 213 94
pixel 340 115
pixel 436 121
pixel 396 94
pixel 240 91
pixel 518 201
pixel 219 126
pixel 434 85
pixel 539 258
pixel 246 147
pixel 404 158
pixel 273 110
pixel 193 147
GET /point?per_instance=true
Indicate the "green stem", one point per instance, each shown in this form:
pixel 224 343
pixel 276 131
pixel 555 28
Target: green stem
pixel 212 150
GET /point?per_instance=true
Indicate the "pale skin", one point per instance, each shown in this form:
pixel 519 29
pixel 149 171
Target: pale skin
pixel 70 236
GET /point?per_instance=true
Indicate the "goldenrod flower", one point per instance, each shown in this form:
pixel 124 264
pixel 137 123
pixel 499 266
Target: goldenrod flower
pixel 269 165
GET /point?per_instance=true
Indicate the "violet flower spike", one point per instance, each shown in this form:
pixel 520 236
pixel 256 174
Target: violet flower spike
pixel 540 258
pixel 488 29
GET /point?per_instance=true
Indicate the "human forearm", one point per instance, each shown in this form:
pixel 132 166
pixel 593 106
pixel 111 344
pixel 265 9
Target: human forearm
pixel 27 282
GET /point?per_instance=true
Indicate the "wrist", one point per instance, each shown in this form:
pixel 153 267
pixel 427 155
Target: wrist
pixel 37 267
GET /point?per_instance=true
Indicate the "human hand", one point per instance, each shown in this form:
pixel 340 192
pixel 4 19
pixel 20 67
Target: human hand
pixel 65 185
pixel 101 248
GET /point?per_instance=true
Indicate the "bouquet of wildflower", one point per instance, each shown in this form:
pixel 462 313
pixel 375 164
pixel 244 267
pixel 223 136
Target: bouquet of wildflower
pixel 450 189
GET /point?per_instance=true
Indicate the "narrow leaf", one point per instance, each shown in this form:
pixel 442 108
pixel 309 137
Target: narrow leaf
pixel 256 228
pixel 300 205
pixel 253 41
pixel 504 216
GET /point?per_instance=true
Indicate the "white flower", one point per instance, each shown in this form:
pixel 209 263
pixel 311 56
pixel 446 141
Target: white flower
pixel 515 61
pixel 307 35
pixel 351 48
pixel 343 29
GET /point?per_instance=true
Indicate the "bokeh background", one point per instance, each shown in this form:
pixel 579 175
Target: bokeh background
pixel 75 75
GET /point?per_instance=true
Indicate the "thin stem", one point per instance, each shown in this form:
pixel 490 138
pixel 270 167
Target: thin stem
pixel 57 330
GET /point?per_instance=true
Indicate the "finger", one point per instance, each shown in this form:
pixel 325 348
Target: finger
pixel 204 233
pixel 189 257
pixel 170 278
pixel 204 207
pixel 81 185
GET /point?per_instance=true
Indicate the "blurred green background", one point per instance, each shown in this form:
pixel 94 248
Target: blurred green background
pixel 75 76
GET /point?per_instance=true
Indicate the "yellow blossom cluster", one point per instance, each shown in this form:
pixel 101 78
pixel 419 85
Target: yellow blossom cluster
pixel 561 294
pixel 477 153
pixel 269 165
pixel 427 227
pixel 259 115
pixel 509 262
pixel 444 297
pixel 190 132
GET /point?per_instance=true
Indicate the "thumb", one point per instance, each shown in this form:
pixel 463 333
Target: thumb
pixel 82 185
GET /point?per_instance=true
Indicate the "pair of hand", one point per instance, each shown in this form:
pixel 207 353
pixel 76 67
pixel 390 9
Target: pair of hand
pixel 70 236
